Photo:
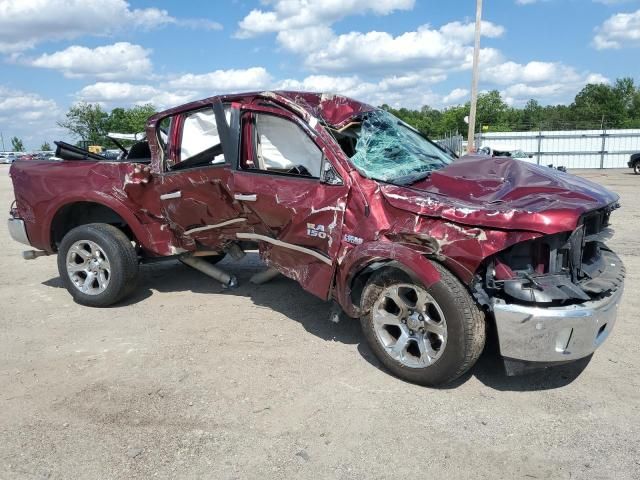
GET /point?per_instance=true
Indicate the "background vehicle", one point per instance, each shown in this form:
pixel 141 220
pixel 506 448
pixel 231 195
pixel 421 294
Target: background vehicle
pixel 356 206
pixel 8 157
pixel 634 162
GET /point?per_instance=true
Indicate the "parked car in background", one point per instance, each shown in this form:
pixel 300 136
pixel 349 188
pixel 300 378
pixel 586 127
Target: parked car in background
pixel 634 162
pixel 8 158
pixel 357 207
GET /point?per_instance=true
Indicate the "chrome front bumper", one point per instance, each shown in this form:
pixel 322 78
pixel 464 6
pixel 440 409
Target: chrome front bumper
pixel 555 334
pixel 18 231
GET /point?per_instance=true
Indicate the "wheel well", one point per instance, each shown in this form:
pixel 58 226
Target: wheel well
pixel 360 278
pixel 82 213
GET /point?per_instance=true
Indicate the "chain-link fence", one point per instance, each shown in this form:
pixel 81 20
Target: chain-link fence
pixel 569 148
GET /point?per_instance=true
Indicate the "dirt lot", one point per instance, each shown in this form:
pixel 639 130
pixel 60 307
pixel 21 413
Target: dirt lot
pixel 189 381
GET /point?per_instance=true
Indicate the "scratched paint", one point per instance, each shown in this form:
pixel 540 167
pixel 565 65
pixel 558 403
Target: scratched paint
pixel 460 215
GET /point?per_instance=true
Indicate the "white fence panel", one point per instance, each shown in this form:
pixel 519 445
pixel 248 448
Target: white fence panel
pixel 570 148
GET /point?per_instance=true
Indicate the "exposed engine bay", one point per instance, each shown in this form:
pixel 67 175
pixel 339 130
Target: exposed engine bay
pixel 560 269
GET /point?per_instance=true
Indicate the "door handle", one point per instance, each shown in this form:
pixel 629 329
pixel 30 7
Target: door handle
pixel 245 197
pixel 168 196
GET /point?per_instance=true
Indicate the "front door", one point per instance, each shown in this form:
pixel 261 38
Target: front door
pixel 295 217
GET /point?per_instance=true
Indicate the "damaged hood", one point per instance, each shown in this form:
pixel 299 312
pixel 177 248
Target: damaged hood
pixel 502 193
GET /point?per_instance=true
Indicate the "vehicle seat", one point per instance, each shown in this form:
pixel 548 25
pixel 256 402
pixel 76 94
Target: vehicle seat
pixel 140 152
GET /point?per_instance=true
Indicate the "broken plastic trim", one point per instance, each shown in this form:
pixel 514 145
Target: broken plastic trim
pixel 279 243
pixel 556 269
pixel 217 225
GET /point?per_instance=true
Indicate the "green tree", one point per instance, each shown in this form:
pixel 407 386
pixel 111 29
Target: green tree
pixel 17 145
pixel 532 114
pixel 45 147
pixel 86 121
pixel 129 120
pixel 491 108
pixel 600 102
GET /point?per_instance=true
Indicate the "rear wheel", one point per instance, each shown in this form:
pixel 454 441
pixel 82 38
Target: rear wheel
pixel 98 264
pixel 636 168
pixel 426 335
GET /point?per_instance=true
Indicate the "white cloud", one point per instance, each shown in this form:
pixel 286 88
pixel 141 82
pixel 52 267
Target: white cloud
pixel 306 39
pixel 411 90
pixel 18 104
pixel 178 90
pixel 25 23
pixel 446 48
pixel 121 60
pixel 457 95
pixel 532 72
pixel 112 94
pixel 618 31
pixel 224 80
pixel 28 116
pixel 556 90
pixel 297 14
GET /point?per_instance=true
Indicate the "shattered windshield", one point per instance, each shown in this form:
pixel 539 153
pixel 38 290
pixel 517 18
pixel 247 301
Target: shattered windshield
pixel 384 148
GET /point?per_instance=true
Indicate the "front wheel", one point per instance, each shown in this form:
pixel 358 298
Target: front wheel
pixel 425 335
pixel 636 168
pixel 98 264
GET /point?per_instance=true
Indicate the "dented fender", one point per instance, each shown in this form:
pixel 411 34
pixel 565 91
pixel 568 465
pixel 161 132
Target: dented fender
pixel 354 260
pixel 140 231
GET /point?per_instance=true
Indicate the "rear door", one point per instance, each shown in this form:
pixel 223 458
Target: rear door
pixel 294 213
pixel 194 187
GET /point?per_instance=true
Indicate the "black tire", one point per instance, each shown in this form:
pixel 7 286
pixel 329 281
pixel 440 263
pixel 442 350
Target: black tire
pixel 636 167
pixel 465 327
pixel 122 257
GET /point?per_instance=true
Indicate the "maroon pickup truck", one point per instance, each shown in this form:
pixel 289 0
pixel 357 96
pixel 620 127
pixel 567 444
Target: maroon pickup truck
pixel 356 206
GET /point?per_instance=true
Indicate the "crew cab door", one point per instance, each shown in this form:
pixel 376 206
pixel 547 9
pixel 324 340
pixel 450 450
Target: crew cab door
pixel 292 195
pixel 193 187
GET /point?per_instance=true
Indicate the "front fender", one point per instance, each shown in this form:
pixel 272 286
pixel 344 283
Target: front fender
pixel 354 260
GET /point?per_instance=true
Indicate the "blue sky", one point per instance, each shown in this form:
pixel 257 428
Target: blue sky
pixel 401 52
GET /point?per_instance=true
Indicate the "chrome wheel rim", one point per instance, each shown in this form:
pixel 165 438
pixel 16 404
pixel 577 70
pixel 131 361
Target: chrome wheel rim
pixel 88 267
pixel 410 325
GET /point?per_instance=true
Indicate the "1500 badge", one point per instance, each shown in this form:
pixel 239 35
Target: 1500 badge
pixel 314 230
pixel 353 240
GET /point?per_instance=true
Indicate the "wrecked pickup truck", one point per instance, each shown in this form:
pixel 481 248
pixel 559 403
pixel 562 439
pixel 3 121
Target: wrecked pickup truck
pixel 356 206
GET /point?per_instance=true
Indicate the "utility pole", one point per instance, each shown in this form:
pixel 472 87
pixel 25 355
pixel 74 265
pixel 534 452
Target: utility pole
pixel 474 81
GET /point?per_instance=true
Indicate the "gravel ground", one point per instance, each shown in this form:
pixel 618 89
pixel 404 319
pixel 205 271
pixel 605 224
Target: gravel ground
pixel 188 381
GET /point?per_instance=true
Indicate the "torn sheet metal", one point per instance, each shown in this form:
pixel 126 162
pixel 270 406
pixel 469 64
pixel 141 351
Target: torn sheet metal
pixel 396 199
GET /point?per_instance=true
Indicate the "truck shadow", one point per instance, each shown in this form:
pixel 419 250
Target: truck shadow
pixel 289 299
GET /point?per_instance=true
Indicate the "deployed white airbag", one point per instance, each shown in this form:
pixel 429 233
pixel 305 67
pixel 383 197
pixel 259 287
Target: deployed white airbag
pixel 283 145
pixel 199 133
